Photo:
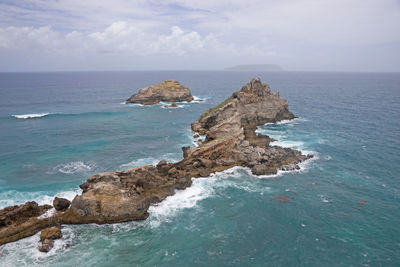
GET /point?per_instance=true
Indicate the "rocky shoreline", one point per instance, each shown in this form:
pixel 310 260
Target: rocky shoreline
pixel 112 197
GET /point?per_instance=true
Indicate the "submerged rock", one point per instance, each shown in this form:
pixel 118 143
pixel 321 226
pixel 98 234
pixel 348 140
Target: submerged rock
pixel 173 105
pixel 168 91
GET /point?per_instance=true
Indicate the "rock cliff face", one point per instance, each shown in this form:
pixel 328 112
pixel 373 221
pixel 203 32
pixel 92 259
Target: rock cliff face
pixel 169 91
pixel 230 140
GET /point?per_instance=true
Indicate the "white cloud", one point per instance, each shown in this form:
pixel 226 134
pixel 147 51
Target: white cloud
pixel 287 32
pixel 119 37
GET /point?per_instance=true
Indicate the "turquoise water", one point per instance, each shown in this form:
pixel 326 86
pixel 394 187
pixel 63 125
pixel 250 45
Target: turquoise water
pixel 350 121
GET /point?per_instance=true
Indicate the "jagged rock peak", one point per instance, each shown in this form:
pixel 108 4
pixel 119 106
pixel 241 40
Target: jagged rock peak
pixel 255 86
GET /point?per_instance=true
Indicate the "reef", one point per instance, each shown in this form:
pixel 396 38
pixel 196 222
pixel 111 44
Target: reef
pixel 168 91
pixel 229 139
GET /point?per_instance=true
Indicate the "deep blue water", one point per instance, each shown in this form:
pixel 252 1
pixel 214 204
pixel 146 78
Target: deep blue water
pixel 350 121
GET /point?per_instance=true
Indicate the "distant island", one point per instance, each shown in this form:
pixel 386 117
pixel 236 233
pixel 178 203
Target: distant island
pixel 256 67
pixel 169 90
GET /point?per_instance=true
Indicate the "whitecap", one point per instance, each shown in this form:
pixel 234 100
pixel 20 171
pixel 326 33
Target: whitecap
pixel 201 189
pixel 169 157
pixel 292 121
pixel 135 105
pixel 182 199
pixel 165 106
pixel 31 116
pixel 324 198
pixel 138 162
pixel 197 99
pixel 75 167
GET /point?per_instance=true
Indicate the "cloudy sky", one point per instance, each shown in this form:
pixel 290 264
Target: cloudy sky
pixel 317 35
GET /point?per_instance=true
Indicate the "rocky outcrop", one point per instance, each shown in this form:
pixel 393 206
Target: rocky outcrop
pixel 230 140
pixel 47 237
pixel 17 222
pixel 169 91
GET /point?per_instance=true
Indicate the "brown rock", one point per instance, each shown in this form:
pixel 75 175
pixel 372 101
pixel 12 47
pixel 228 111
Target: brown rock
pixel 61 204
pixel 169 91
pixel 46 245
pixel 21 221
pixel 51 233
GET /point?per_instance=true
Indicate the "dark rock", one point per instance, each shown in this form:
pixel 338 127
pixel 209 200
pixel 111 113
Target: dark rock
pixel 196 136
pixel 162 163
pixel 61 204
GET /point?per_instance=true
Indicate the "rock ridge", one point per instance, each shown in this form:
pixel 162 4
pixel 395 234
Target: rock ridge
pixel 230 140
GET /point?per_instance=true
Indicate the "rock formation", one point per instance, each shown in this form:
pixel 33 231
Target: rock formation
pixel 47 237
pixel 173 105
pixel 17 222
pixel 169 91
pixel 230 140
pixel 61 203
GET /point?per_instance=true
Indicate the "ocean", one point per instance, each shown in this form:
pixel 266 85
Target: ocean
pixel 341 209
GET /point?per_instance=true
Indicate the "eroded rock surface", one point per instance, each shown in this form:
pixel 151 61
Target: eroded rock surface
pixel 47 237
pixel 20 221
pixel 230 140
pixel 169 91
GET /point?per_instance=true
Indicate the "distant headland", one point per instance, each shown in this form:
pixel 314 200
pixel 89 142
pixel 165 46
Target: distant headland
pixel 256 67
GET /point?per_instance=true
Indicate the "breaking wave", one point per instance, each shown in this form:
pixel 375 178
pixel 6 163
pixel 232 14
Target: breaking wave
pixel 31 116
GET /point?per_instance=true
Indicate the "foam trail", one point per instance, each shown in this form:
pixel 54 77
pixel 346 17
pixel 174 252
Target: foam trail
pixel 31 116
pixel 75 167
pixel 201 189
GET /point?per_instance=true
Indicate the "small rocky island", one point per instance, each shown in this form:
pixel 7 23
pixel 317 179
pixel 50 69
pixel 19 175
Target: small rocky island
pixel 168 91
pixel 112 197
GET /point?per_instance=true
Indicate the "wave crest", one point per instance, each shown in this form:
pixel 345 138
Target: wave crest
pixel 30 116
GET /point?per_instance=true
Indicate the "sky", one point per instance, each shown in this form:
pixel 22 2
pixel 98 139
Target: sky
pixel 299 35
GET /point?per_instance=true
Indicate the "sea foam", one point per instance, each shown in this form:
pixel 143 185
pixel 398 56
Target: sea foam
pixel 31 116
pixel 75 167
